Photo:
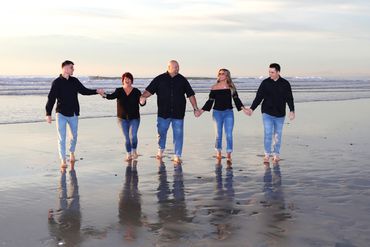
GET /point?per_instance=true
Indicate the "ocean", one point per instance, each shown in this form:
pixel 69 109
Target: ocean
pixel 23 98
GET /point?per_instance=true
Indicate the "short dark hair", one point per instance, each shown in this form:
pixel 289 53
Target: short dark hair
pixel 67 62
pixel 275 66
pixel 128 75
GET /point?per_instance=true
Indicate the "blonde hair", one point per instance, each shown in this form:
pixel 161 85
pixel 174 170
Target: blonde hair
pixel 229 81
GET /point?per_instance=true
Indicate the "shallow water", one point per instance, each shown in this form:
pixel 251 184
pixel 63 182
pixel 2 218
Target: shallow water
pixel 317 196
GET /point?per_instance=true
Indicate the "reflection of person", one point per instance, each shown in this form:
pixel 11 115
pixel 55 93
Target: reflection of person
pixel 171 211
pixel 273 192
pixel 171 88
pixel 65 90
pixel 128 112
pixel 65 223
pixel 223 202
pixel 274 93
pixel 220 98
pixel 129 211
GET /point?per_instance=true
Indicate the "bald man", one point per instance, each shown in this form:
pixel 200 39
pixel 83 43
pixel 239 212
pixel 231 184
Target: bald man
pixel 171 88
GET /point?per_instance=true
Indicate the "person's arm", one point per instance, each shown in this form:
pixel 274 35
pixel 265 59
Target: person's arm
pixel 151 89
pixel 258 99
pixel 113 95
pixel 238 103
pixel 191 96
pixel 86 91
pixel 209 103
pixel 142 103
pixel 290 101
pixel 52 96
pixel 193 102
pixel 146 94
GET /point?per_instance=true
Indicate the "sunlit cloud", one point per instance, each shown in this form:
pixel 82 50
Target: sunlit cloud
pixel 148 31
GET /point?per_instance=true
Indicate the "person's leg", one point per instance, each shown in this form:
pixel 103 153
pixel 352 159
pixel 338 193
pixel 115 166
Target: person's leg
pixel 268 131
pixel 162 127
pixel 218 121
pixel 178 137
pixel 134 127
pixel 278 132
pixel 229 126
pixel 73 130
pixel 61 123
pixel 125 126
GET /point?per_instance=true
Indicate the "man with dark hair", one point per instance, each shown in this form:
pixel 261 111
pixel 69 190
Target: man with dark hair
pixel 65 90
pixel 274 93
pixel 171 88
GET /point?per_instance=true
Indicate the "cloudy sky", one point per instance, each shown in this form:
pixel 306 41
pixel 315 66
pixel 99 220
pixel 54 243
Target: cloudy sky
pixel 308 37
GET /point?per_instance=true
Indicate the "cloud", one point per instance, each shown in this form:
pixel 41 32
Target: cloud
pixel 208 31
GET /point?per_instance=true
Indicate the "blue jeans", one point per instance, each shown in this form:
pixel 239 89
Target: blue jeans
pixel 224 119
pixel 62 122
pixel 178 133
pixel 273 129
pixel 129 129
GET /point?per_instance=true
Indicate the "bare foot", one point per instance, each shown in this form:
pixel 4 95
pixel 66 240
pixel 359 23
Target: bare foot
pixel 72 157
pixel 72 165
pixel 135 155
pixel 177 159
pixel 128 157
pixel 266 159
pixel 63 164
pixel 218 155
pixel 159 154
pixel 228 157
pixel 276 159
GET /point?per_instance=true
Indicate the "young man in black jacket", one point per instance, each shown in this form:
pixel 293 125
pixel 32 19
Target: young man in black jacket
pixel 65 90
pixel 274 93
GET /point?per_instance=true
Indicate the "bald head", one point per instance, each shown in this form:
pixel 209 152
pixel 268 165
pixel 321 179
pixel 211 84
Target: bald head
pixel 173 68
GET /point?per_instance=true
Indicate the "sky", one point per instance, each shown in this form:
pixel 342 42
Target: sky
pixel 107 38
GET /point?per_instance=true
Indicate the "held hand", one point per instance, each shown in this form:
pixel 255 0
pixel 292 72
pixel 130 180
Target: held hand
pixel 248 111
pixel 48 119
pixel 291 115
pixel 198 113
pixel 100 91
pixel 142 100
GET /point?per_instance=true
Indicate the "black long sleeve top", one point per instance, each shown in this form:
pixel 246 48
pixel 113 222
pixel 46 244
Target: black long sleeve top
pixel 220 99
pixel 66 91
pixel 171 93
pixel 127 105
pixel 275 95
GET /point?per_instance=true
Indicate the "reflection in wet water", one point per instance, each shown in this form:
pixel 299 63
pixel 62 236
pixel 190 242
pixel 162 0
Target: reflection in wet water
pixel 275 213
pixel 64 224
pixel 218 217
pixel 129 208
pixel 223 203
pixel 172 212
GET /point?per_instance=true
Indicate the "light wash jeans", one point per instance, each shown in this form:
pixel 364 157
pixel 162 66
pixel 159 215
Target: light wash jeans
pixel 62 122
pixel 129 129
pixel 178 133
pixel 273 129
pixel 224 120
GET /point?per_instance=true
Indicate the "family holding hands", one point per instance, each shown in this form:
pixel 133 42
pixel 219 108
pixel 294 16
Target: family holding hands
pixel 171 88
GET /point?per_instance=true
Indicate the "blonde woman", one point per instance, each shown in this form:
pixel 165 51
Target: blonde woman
pixel 220 98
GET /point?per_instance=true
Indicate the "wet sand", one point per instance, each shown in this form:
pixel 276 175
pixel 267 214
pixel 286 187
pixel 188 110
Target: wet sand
pixel 319 195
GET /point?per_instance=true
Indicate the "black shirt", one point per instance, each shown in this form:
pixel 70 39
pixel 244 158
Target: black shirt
pixel 220 99
pixel 275 96
pixel 127 105
pixel 66 93
pixel 170 92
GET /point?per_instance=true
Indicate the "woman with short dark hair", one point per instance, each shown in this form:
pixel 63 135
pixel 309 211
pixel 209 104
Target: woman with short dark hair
pixel 128 113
